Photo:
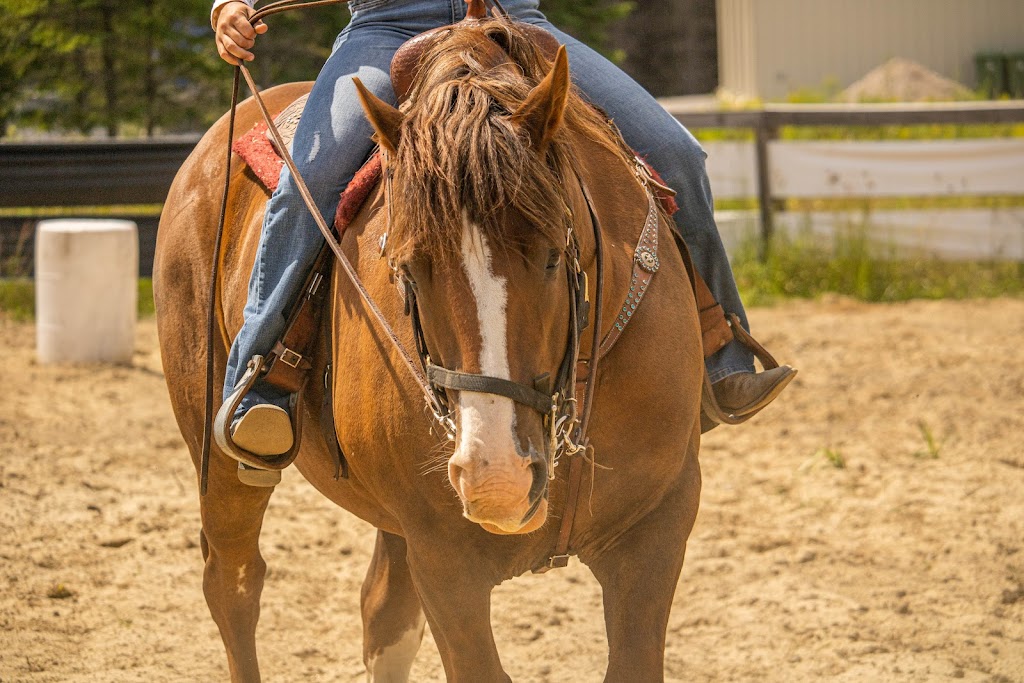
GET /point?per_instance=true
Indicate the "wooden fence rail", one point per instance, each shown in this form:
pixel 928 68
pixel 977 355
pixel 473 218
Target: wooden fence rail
pixel 89 173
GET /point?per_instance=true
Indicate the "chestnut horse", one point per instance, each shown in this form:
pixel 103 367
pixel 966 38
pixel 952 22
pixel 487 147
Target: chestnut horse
pixel 489 158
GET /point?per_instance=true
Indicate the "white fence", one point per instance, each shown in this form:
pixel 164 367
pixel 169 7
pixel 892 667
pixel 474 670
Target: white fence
pixel 771 169
pixel 951 234
pixel 853 169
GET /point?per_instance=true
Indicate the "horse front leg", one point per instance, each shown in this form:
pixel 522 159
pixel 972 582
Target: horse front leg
pixel 393 620
pixel 232 516
pixel 455 592
pixel 638 576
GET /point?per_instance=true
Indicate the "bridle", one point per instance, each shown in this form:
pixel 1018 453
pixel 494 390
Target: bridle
pixel 555 400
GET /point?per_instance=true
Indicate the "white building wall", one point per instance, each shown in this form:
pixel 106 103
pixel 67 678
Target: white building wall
pixel 736 63
pixel 793 44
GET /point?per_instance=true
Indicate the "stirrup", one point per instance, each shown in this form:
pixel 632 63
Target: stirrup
pixel 225 416
pixel 712 414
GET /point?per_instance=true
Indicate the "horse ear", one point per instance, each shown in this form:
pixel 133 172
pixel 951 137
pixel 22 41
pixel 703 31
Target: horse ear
pixel 384 118
pixel 542 112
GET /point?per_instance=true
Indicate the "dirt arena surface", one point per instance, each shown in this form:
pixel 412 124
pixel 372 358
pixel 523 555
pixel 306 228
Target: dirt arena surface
pixel 834 542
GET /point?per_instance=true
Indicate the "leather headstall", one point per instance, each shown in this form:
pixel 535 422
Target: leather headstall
pixel 555 401
pixel 645 264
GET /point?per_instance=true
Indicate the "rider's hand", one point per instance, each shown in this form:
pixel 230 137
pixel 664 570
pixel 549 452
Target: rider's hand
pixel 235 35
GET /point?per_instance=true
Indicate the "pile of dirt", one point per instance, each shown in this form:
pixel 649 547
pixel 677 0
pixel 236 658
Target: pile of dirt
pixel 903 80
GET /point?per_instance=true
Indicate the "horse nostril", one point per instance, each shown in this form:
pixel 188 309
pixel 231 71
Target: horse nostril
pixel 538 490
pixel 539 485
pixel 454 474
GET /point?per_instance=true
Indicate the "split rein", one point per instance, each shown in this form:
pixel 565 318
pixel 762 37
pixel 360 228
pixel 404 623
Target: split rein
pixel 565 424
pixel 211 320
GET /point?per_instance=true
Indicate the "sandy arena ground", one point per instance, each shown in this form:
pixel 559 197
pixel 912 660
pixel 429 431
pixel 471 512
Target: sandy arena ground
pixel 833 542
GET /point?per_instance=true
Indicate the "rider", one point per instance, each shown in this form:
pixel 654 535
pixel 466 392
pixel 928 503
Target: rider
pixel 333 140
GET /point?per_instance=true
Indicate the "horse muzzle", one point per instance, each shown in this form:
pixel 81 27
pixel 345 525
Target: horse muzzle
pixel 503 495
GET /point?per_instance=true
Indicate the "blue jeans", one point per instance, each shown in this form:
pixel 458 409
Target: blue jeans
pixel 333 141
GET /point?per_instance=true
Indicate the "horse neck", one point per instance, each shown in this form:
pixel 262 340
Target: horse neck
pixel 617 197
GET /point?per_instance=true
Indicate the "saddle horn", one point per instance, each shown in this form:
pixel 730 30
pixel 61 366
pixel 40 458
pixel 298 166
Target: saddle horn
pixel 406 62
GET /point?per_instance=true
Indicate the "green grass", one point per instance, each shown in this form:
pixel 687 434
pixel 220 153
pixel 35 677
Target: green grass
pixel 146 305
pixel 867 205
pixel 18 298
pixel 115 211
pixel 932 444
pixel 853 266
pixel 829 456
pixel 834 457
pixel 916 132
pixel 794 268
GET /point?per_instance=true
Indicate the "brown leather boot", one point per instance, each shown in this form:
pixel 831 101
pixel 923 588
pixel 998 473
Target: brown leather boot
pixel 739 396
pixel 747 392
pixel 265 430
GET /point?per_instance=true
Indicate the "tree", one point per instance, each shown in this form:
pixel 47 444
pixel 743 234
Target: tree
pixel 589 21
pixel 20 39
pixel 112 63
pixel 14 62
pixel 671 46
pixel 134 67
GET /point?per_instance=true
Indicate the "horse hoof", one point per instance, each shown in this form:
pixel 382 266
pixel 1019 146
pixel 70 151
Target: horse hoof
pixel 252 476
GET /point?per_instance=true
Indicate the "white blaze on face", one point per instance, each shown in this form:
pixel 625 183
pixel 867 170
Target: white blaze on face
pixel 486 415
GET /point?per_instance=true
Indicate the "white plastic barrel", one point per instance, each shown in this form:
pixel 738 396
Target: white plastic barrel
pixel 86 290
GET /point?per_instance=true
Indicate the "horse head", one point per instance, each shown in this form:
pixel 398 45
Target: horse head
pixel 482 234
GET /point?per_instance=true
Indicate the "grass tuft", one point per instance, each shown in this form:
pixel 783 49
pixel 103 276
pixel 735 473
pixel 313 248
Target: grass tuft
pixel 854 266
pixel 932 444
pixel 834 457
pixel 826 456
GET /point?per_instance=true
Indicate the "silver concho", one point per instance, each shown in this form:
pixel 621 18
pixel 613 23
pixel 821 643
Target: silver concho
pixel 647 259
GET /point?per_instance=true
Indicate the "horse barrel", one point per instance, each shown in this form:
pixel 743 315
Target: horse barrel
pixel 86 290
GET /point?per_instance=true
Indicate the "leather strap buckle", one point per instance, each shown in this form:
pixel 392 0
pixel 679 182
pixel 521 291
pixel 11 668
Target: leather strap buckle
pixel 554 562
pixel 558 561
pixel 290 358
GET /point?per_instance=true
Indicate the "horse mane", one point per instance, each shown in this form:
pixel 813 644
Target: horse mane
pixel 460 157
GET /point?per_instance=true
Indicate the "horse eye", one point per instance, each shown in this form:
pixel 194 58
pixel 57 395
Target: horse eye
pixel 554 258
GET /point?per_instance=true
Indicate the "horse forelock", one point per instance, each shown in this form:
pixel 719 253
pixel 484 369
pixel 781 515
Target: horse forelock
pixel 460 155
